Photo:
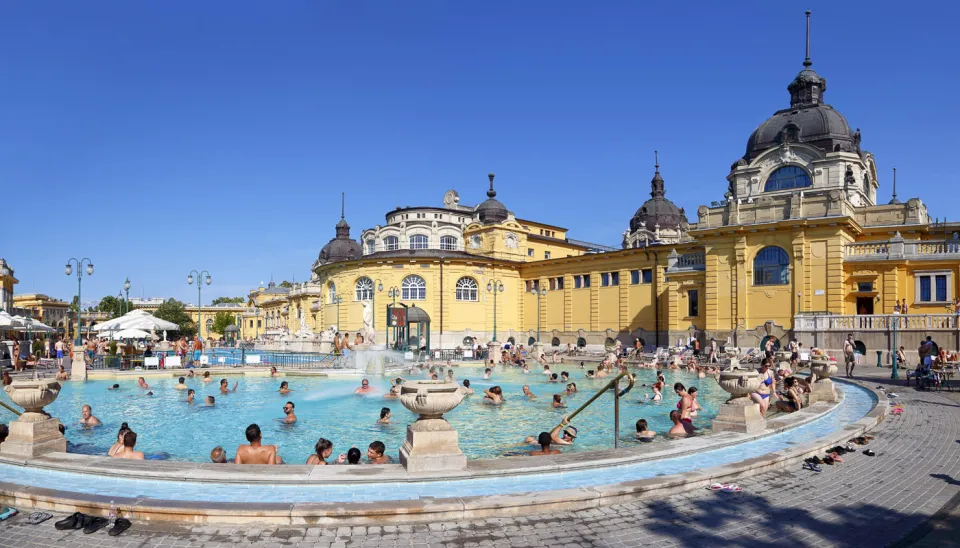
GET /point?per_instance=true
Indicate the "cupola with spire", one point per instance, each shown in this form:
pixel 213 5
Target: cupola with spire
pixel 808 120
pixel 342 247
pixel 658 211
pixel 491 211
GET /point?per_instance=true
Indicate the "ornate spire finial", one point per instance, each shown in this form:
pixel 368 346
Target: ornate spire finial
pixel 656 184
pixel 342 204
pixel 894 200
pixel 807 62
pixel 491 193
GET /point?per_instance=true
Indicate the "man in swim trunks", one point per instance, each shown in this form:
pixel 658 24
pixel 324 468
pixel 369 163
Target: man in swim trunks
pixel 528 393
pixel 255 452
pixel 197 350
pixel 849 358
pixel 210 401
pixel 544 439
pixel 190 395
pixel 218 455
pixel 685 406
pixel 285 388
pixel 375 453
pixel 224 386
pixel 181 384
pixel 87 418
pixel 59 348
pixel 142 383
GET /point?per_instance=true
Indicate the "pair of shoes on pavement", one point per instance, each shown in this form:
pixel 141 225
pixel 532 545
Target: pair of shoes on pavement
pixel 92 524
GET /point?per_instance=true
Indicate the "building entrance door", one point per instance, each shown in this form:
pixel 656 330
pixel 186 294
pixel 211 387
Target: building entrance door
pixel 864 305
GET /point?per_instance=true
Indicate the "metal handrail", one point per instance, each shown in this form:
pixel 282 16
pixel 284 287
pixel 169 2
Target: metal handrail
pixel 12 410
pixel 617 394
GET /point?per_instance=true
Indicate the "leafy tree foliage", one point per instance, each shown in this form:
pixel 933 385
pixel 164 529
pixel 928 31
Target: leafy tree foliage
pixel 221 320
pixel 173 311
pixel 228 300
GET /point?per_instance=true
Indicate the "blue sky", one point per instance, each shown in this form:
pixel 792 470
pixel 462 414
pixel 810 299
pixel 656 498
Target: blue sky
pixel 156 138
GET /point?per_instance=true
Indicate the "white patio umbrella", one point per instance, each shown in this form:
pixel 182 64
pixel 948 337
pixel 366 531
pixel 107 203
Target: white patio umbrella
pixel 10 322
pixel 133 334
pixel 137 319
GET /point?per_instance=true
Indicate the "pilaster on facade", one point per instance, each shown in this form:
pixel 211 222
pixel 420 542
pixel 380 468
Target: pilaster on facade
pixel 594 304
pixel 568 302
pixel 801 272
pixel 739 281
pixel 711 295
pixel 889 286
pixel 835 276
pixel 623 302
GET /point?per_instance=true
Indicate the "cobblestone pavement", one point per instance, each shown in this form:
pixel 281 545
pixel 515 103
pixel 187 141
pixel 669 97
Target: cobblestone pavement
pixel 866 501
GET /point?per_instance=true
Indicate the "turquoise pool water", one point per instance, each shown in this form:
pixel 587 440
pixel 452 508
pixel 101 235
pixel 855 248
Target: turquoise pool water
pixel 856 404
pixel 326 407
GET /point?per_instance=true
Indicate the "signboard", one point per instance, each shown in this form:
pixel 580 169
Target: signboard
pixel 818 292
pixel 468 353
pixel 397 317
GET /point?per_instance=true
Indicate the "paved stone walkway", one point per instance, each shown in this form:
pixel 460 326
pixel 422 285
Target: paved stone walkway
pixel 866 501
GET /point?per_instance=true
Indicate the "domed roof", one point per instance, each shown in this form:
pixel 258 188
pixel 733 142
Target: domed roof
pixel 808 120
pixel 491 211
pixel 657 210
pixel 341 248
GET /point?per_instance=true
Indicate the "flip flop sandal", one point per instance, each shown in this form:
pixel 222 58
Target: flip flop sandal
pixel 715 487
pixel 897 412
pixel 812 467
pixel 95 525
pixel 73 521
pixel 893 395
pixel 119 526
pixel 733 488
pixel 869 453
pixel 836 457
pixel 8 513
pixel 881 388
pixel 850 448
pixel 37 518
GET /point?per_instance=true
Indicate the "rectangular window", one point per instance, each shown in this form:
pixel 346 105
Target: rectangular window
pixel 941 287
pixel 259 323
pixel 586 280
pixel 251 324
pixel 634 277
pixel 865 286
pixel 546 254
pixel 559 284
pixel 604 279
pixel 577 282
pixel 693 303
pixel 529 252
pixel 614 278
pixel 647 275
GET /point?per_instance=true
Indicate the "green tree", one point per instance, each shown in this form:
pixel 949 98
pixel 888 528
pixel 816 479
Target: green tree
pixel 286 284
pixel 75 304
pixel 115 306
pixel 228 300
pixel 173 311
pixel 221 320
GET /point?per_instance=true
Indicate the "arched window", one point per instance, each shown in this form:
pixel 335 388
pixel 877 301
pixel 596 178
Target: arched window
pixel 786 178
pixel 511 340
pixel 530 341
pixel 364 289
pixel 419 241
pixel 371 246
pixel 581 342
pixel 448 243
pixel 467 289
pixel 413 288
pixel 609 343
pixel 771 266
pixel 209 326
pixel 555 341
pixel 391 243
pixel 331 292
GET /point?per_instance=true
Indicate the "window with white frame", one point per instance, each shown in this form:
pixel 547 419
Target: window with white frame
pixel 364 289
pixel 419 241
pixel 448 242
pixel 371 246
pixel 467 289
pixel 331 292
pixel 413 288
pixel 933 286
pixel 391 243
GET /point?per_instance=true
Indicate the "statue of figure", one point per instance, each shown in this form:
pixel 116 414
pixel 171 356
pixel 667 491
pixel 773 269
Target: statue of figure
pixel 368 332
pixel 304 332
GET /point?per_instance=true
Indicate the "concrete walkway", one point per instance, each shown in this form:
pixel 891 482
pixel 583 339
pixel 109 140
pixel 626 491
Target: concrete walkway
pixel 905 496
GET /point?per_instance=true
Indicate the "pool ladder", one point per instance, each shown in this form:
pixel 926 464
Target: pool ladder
pixel 617 394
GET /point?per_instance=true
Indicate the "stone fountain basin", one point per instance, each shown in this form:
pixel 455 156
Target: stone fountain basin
pixel 430 399
pixel 33 394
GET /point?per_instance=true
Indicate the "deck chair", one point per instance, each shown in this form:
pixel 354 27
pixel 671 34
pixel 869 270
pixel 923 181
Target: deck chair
pixel 151 362
pixel 173 362
pixel 204 360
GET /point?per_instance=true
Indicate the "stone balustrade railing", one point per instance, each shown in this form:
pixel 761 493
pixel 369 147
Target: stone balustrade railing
pixel 877 322
pixel 898 248
pixel 679 262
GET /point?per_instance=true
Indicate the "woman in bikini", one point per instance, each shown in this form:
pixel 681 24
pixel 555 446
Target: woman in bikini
pixel 118 446
pixel 322 452
pixel 763 393
pixel 792 400
pixel 685 406
pixel 658 388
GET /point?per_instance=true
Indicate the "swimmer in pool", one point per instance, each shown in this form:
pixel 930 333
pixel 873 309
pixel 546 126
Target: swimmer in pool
pixel 487 373
pixel 394 389
pixel 493 396
pixel 285 388
pixel 224 386
pixel 544 439
pixel 678 430
pixel 365 387
pixel 142 383
pixel 255 452
pixel 180 384
pixel 465 389
pixel 291 417
pixel 210 401
pixel 557 402
pixel 128 451
pixel 114 387
pixel 562 434
pixel 528 393
pixel 87 418
pixel 190 395
pixel 384 416
pixel 375 453
pixel 643 432
pixel 206 377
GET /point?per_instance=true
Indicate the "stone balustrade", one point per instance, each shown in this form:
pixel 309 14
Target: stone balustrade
pixel 898 248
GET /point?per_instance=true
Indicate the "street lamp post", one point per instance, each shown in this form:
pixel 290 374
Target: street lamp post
pixel 69 270
pixel 257 312
pixel 894 374
pixel 200 277
pixel 126 289
pixel 539 292
pixel 495 286
pixel 337 299
pixel 393 293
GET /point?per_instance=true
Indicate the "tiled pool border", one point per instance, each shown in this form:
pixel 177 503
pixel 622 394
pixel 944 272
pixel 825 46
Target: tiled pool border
pixel 426 508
